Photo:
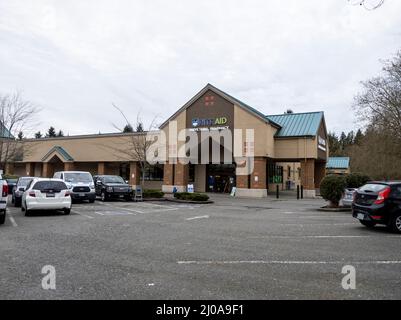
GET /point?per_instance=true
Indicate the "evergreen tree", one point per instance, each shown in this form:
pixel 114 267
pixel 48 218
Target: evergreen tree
pixel 38 135
pixel 20 135
pixel 60 134
pixel 51 133
pixel 139 127
pixel 128 129
pixel 358 137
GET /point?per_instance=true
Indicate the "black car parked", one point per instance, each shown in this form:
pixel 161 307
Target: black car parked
pixel 112 187
pixel 378 203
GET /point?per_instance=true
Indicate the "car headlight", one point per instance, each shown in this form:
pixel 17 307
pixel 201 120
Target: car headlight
pixel 92 186
pixel 109 189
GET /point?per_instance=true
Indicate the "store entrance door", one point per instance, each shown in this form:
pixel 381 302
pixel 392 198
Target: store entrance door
pixel 220 178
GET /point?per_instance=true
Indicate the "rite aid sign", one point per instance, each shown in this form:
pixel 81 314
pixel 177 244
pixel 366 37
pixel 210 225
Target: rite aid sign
pixel 197 122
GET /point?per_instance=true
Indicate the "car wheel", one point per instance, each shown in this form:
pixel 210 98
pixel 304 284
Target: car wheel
pixel 103 196
pixel 17 203
pixel 3 218
pixel 91 200
pixel 127 198
pixel 27 212
pixel 67 211
pixel 396 223
pixel 369 224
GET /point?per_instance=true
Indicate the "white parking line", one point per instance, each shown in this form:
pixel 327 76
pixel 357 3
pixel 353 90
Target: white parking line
pixel 122 208
pixel 199 217
pixel 82 214
pixel 319 224
pixel 284 262
pixel 321 237
pixel 12 220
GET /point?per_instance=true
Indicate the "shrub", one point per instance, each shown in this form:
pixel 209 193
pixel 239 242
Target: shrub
pixel 356 180
pixel 191 196
pixel 153 194
pixel 10 176
pixel 332 189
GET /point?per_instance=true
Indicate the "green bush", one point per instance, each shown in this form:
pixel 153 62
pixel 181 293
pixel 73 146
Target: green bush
pixel 332 189
pixel 10 176
pixel 153 194
pixel 191 196
pixel 356 180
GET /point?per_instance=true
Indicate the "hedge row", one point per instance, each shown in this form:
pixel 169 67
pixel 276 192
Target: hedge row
pixel 153 194
pixel 191 196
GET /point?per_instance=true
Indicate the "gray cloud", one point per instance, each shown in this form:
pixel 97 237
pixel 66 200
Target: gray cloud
pixel 74 58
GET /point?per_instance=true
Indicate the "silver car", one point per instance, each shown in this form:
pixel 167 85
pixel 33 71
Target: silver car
pixel 348 197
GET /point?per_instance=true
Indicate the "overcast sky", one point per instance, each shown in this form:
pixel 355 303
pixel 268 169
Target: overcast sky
pixel 74 58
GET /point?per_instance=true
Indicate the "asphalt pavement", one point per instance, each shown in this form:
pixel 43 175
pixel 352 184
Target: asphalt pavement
pixel 232 249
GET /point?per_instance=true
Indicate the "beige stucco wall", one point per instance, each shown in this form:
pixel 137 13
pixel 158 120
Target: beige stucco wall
pixel 296 148
pixel 263 132
pixel 83 149
pixel 180 120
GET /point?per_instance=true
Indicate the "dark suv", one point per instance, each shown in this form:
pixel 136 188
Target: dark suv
pixel 378 203
pixel 108 187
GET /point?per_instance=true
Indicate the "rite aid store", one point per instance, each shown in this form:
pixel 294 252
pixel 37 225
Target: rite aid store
pixel 287 150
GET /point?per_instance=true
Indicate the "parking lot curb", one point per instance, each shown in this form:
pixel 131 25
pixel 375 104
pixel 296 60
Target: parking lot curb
pixel 343 209
pixel 189 201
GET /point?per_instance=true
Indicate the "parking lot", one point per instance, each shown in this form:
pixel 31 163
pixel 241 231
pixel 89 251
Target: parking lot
pixel 232 249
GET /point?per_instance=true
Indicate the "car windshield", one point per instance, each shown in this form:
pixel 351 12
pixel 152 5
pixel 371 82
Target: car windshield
pixel 114 179
pixel 11 180
pixel 24 182
pixel 373 187
pixel 78 177
pixel 55 186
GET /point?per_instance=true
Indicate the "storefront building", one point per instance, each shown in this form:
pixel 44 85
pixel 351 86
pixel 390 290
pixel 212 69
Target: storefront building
pixel 287 150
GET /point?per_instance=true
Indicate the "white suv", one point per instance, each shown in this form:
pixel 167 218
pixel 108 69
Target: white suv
pixel 80 184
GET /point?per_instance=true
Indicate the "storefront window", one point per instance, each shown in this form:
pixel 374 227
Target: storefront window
pixel 275 173
pixel 191 177
pixel 154 172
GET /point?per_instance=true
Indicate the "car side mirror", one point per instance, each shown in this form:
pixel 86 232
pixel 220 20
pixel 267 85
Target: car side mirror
pixel 98 183
pixel 21 189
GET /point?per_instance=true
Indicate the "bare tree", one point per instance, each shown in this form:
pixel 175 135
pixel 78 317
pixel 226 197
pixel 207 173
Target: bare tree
pixel 378 151
pixel 367 4
pixel 16 115
pixel 139 142
pixel 380 102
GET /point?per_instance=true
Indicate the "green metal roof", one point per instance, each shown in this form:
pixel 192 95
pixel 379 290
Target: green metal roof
pixel 297 124
pixel 60 151
pixel 338 163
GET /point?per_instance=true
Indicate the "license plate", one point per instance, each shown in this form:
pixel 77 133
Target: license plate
pixel 360 216
pixel 82 194
pixel 50 195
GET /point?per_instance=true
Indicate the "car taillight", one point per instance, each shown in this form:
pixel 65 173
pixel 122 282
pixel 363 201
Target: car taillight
pixel 67 194
pixel 32 194
pixel 383 195
pixel 5 190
